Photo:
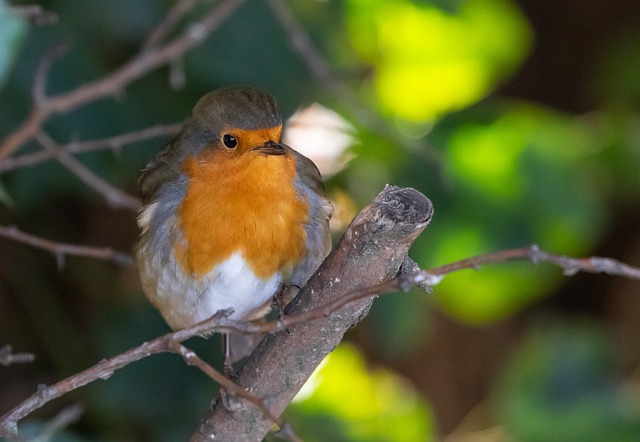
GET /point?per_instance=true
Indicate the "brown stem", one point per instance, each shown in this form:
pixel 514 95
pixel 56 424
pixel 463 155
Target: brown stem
pixel 74 147
pixel 174 15
pixel 8 357
pixel 191 358
pixel 369 259
pixel 114 196
pixel 571 266
pixel 60 250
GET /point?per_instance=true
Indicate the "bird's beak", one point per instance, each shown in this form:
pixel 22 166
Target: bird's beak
pixel 270 148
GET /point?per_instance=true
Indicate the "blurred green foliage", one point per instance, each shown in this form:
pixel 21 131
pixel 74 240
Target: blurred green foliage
pixel 431 60
pixel 12 32
pixel 519 174
pixel 502 172
pixel 561 386
pixel 345 400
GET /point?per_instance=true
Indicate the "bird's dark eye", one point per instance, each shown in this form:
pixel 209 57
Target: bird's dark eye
pixel 229 141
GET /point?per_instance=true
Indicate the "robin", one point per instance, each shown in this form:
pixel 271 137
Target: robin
pixel 231 216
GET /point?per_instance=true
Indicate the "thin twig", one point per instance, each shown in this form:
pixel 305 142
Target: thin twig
pixel 36 14
pixel 102 370
pixel 60 250
pixel 114 143
pixel 303 45
pixel 39 87
pixel 165 343
pixel 328 309
pixel 116 81
pixel 114 196
pixel 191 358
pixel 172 17
pixel 62 420
pixel 221 323
pixel 8 357
pixel 571 266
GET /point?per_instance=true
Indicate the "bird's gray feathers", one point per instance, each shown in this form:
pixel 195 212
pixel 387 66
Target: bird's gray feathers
pixel 238 107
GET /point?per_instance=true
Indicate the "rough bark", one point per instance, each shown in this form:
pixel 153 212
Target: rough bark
pixel 370 252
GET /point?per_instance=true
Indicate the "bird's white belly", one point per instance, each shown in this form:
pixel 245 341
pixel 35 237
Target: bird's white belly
pixel 231 284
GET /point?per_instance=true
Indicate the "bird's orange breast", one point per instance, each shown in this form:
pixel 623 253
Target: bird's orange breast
pixel 245 204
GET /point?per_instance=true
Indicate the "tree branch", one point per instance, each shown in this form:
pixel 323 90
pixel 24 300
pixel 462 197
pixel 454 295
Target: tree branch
pixel 36 14
pixel 571 266
pixel 60 250
pixel 369 253
pixel 403 211
pixel 60 421
pixel 144 62
pixel 179 10
pixel 104 369
pixel 320 68
pixel 114 143
pixel 302 44
pixel 370 259
pixel 191 358
pixel 8 357
pixel 114 196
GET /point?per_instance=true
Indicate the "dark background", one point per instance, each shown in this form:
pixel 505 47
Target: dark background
pixel 555 353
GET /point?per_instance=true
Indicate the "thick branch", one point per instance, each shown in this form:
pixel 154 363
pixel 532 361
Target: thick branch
pixel 370 252
pixel 370 259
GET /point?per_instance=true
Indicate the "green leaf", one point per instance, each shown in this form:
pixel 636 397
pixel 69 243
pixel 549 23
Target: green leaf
pixel 12 32
pixel 518 175
pixel 5 198
pixel 429 61
pixel 346 400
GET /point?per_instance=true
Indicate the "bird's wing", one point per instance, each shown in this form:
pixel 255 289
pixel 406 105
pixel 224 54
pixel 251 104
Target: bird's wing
pixel 309 183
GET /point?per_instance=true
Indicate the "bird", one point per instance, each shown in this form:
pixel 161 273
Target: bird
pixel 231 216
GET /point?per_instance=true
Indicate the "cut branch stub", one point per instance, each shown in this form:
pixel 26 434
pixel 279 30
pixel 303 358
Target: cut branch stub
pixel 370 252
